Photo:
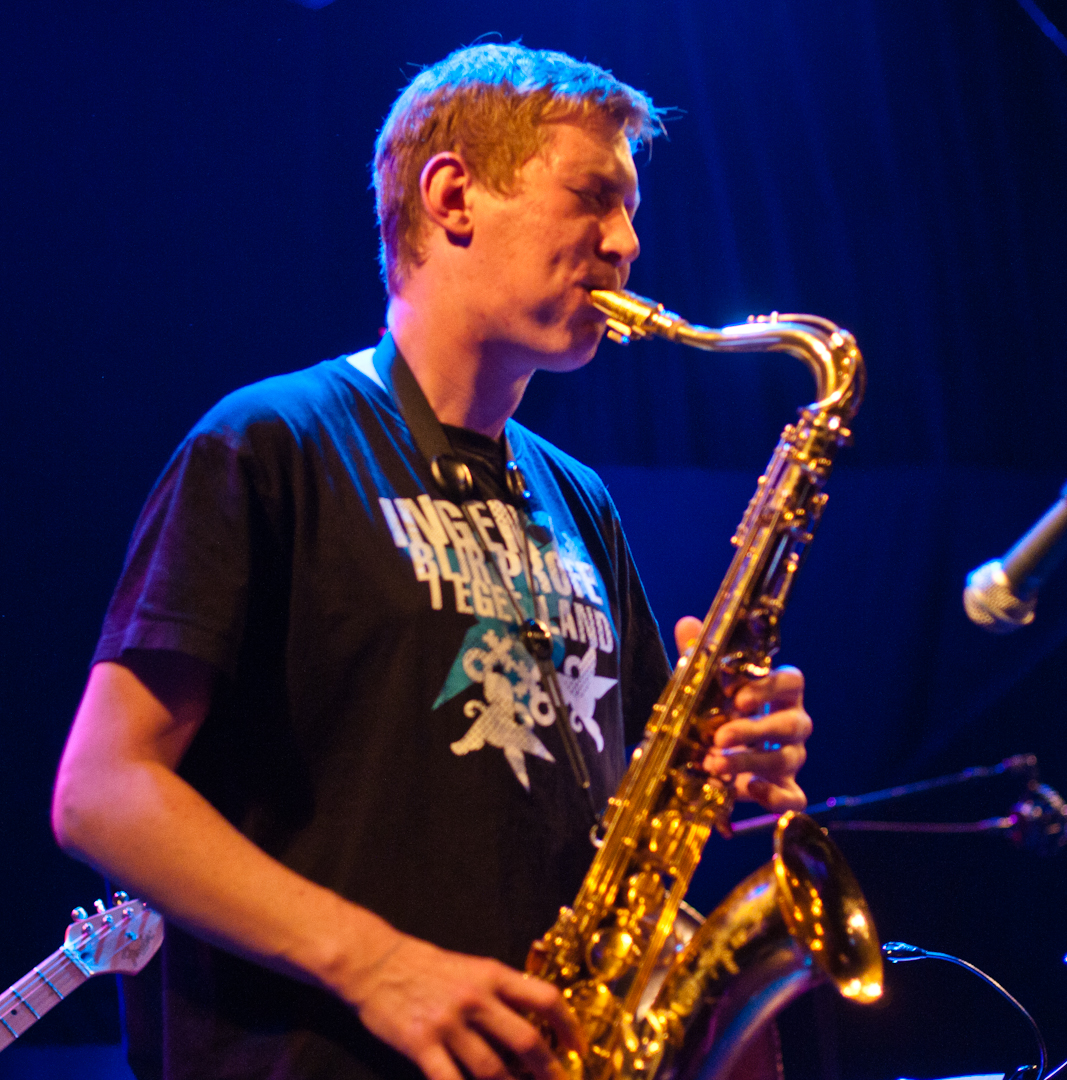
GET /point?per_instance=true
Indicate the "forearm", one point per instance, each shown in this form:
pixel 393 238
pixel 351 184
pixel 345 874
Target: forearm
pixel 120 806
pixel 143 826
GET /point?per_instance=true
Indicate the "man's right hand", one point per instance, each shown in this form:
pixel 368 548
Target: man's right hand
pixel 457 1015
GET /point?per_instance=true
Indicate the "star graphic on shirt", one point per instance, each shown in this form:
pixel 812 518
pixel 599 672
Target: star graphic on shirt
pixel 495 723
pixel 582 688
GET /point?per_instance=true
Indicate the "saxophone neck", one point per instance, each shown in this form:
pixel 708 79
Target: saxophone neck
pixel 829 352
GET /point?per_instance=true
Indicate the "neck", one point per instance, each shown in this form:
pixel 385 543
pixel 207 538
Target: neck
pixel 467 382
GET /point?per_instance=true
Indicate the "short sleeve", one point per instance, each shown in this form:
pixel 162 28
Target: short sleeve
pixel 185 583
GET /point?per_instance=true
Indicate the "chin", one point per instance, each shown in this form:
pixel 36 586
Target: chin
pixel 574 348
pixel 560 344
pixel 588 340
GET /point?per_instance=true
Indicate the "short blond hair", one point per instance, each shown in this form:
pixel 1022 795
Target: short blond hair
pixel 488 103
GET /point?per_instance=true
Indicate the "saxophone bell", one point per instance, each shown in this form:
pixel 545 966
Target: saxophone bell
pixel 799 921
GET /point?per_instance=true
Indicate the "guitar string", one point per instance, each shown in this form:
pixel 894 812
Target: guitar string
pixel 40 980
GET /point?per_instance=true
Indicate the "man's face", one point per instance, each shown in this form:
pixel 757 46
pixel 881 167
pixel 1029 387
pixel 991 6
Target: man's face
pixel 536 253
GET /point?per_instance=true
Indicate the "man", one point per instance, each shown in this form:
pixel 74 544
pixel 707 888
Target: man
pixel 313 735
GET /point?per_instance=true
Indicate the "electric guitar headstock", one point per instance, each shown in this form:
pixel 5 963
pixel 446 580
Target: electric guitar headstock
pixel 119 940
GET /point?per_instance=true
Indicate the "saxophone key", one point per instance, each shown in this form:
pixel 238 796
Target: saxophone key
pixel 612 950
pixel 596 1007
pixel 644 895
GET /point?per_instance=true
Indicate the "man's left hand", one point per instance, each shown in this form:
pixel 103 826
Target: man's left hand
pixel 761 747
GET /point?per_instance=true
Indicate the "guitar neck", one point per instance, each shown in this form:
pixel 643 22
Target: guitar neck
pixel 23 1004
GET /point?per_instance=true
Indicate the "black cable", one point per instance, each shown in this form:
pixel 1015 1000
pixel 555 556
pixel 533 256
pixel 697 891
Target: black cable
pixel 897 952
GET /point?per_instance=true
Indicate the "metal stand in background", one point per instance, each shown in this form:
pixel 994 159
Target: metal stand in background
pixel 1037 822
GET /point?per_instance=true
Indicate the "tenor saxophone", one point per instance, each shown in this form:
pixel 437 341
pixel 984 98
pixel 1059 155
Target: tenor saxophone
pixel 649 1004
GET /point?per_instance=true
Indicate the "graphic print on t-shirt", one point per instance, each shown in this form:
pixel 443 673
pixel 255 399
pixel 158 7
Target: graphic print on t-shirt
pixel 569 596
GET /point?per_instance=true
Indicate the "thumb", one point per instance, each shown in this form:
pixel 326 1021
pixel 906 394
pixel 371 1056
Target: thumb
pixel 685 631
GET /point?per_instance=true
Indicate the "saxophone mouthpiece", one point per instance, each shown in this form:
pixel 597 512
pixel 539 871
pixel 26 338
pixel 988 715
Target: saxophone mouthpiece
pixel 631 316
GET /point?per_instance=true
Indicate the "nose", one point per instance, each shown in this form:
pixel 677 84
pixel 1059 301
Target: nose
pixel 618 241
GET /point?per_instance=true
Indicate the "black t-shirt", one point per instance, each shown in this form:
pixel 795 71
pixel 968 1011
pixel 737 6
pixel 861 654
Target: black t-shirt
pixel 378 727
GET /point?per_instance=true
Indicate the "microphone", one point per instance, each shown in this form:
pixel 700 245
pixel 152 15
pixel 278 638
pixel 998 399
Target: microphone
pixel 1001 595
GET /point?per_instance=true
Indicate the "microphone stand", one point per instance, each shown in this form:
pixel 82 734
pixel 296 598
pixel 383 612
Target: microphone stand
pixel 1038 823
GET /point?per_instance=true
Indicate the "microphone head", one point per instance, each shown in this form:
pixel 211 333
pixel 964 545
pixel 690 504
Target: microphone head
pixel 1040 821
pixel 990 603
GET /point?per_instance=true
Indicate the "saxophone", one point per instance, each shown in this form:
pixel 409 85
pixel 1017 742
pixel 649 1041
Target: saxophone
pixel 649 1003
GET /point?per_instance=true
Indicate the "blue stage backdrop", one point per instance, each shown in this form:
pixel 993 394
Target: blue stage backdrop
pixel 186 201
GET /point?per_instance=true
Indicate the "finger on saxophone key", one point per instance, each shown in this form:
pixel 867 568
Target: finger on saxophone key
pixel 764 747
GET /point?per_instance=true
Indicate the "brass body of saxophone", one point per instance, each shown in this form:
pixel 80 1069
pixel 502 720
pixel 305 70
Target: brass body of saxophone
pixel 648 1004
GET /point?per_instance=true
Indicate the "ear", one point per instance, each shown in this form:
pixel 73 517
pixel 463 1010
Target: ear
pixel 445 185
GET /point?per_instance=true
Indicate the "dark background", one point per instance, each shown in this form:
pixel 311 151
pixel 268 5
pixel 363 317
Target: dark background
pixel 186 208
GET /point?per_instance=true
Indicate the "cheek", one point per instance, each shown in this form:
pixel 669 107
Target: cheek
pixel 561 244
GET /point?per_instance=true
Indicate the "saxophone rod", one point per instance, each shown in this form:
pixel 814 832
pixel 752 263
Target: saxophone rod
pixel 1025 764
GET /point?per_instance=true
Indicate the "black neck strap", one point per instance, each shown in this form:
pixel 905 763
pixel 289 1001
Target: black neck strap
pixel 453 477
pixel 425 428
pixel 450 473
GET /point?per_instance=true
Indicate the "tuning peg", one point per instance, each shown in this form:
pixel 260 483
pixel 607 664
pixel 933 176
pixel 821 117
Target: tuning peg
pixel 100 906
pixel 120 897
pixel 78 914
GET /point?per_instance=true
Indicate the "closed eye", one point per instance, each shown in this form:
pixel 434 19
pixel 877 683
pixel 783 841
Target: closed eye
pixel 595 198
pixel 604 200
